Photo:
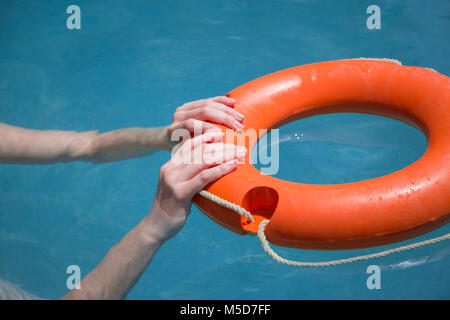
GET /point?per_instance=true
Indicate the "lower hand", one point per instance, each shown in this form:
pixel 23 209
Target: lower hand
pixel 198 162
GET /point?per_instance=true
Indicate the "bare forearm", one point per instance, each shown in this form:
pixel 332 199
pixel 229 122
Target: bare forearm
pixel 125 262
pixel 122 266
pixel 20 145
pixel 128 143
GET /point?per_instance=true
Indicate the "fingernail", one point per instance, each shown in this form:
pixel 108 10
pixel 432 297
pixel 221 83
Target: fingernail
pixel 237 124
pixel 239 115
pixel 232 163
pixel 241 151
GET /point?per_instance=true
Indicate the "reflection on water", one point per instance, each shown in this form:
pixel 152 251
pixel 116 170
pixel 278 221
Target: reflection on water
pixel 346 147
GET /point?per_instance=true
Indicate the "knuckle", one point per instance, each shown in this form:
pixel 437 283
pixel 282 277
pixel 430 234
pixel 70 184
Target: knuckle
pixel 179 111
pixel 204 177
pixel 162 171
pixel 205 110
pixel 171 128
pixel 210 103
pixel 186 124
pixel 176 116
pixel 229 117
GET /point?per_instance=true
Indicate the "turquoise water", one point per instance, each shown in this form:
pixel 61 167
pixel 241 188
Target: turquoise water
pixel 132 64
pixel 341 148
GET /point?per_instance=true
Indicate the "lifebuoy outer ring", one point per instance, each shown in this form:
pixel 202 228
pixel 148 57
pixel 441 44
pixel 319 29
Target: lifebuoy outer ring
pixel 387 209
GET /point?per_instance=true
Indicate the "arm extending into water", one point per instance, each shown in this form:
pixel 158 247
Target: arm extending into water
pixel 121 268
pixel 27 146
pixel 179 181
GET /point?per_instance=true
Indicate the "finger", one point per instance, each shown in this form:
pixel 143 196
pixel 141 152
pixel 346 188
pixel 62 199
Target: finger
pixel 181 131
pixel 212 154
pixel 209 175
pixel 198 103
pixel 192 105
pixel 207 106
pixel 216 153
pixel 216 115
pixel 197 127
pixel 230 102
pixel 186 149
pixel 239 116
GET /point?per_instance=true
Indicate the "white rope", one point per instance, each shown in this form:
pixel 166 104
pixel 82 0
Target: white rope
pixel 265 244
pixel 276 257
pixel 224 203
pixel 375 59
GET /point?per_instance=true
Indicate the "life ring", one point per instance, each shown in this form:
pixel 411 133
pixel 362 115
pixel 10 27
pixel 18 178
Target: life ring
pixel 387 209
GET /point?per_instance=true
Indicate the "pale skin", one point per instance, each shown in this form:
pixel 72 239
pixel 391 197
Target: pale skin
pixel 26 146
pixel 179 179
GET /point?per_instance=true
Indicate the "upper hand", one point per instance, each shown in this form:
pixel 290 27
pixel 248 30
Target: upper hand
pixel 197 117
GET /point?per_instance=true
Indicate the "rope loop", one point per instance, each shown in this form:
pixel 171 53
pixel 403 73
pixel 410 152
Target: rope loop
pixel 265 244
pixel 276 257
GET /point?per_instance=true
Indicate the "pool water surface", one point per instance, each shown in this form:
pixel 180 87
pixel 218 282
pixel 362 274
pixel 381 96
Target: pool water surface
pixel 131 64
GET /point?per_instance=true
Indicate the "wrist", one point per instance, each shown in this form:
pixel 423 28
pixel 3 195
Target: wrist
pixel 152 138
pixel 149 233
pixel 163 225
pixel 164 138
pixel 155 227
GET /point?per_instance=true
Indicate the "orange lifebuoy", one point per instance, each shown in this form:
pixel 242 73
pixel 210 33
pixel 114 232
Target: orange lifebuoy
pixel 387 209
